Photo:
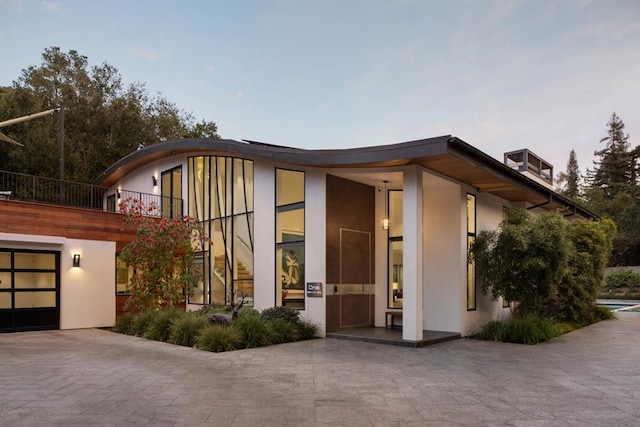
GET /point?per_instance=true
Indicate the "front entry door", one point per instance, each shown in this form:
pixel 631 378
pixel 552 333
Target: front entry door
pixel 29 290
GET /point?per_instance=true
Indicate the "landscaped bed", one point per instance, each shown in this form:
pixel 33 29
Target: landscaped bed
pixel 249 328
pixel 534 329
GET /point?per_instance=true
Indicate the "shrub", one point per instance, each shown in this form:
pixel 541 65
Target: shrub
pixel 186 328
pixel 492 331
pixel 158 327
pixel 578 289
pixel 286 314
pixel 521 329
pixel 160 278
pixel 255 332
pixel 529 329
pixel 282 331
pixel 602 313
pixel 142 321
pixel 524 259
pixel 123 324
pixel 208 310
pixel 248 311
pixel 306 330
pixel 218 338
pixel 625 278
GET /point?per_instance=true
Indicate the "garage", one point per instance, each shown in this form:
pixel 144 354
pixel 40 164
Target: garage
pixel 29 290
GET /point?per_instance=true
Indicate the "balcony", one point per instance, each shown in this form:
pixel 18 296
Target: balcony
pixel 30 188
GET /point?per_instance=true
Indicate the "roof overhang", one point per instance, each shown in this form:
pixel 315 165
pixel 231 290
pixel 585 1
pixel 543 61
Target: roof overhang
pixel 446 155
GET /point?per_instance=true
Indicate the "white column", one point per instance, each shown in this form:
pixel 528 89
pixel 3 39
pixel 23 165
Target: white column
pixel 412 304
pixel 315 245
pixel 264 252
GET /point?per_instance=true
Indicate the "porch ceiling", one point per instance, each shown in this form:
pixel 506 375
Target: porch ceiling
pixel 482 178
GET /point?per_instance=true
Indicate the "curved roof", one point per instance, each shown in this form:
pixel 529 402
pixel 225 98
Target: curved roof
pixel 447 155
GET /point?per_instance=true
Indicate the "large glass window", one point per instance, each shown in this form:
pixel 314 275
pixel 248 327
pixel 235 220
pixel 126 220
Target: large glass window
pixel 123 277
pixel 221 198
pixel 395 284
pixel 471 266
pixel 171 190
pixel 290 239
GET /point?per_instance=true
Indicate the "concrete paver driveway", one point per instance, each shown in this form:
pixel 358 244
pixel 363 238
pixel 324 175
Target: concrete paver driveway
pixel 96 377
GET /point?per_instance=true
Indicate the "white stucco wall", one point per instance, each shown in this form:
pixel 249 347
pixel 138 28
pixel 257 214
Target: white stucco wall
pixel 140 179
pixel 444 255
pixel 87 293
pixel 315 245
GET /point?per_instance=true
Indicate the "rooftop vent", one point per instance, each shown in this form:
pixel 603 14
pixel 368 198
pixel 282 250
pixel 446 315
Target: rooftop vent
pixel 531 165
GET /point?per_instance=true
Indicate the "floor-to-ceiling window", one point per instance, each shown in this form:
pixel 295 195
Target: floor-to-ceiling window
pixel 471 266
pixel 290 238
pixel 395 283
pixel 221 198
pixel 171 190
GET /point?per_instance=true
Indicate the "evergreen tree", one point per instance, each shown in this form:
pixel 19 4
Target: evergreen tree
pixel 613 191
pixel 615 171
pixel 570 179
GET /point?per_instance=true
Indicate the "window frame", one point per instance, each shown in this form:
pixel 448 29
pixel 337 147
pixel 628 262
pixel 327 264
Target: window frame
pixel 471 237
pixel 292 244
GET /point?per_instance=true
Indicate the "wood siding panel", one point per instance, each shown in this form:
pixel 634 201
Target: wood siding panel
pixel 75 223
pixel 350 206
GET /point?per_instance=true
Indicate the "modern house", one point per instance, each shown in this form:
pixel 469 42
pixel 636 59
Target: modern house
pixel 350 237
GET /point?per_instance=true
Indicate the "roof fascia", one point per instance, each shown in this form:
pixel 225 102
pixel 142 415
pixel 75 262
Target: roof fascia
pixel 461 149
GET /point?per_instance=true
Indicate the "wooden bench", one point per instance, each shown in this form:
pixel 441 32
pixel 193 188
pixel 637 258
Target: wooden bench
pixel 392 314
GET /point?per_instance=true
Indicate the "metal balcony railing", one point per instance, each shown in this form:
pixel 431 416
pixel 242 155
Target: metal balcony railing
pixel 31 188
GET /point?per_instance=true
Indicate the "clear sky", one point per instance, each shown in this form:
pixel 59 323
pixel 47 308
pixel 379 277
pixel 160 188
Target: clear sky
pixel 501 75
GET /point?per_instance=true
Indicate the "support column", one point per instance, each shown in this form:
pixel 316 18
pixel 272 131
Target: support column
pixel 412 304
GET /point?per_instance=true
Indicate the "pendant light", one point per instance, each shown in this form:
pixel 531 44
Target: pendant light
pixel 385 223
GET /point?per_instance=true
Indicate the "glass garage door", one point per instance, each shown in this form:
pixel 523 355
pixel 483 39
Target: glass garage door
pixel 29 290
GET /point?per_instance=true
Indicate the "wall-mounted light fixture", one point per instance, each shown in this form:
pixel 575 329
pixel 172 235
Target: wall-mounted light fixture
pixel 154 180
pixel 76 260
pixel 385 223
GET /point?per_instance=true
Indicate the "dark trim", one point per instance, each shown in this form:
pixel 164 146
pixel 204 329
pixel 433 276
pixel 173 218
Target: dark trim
pixel 539 205
pixel 402 153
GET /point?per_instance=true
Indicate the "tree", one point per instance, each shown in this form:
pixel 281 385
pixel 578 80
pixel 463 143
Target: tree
pixel 571 178
pixel 615 172
pixel 577 290
pixel 162 256
pixel 104 118
pixel 546 264
pixel 613 192
pixel 524 259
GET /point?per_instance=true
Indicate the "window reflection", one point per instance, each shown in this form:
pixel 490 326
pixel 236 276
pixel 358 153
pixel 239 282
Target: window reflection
pixel 395 282
pixel 290 261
